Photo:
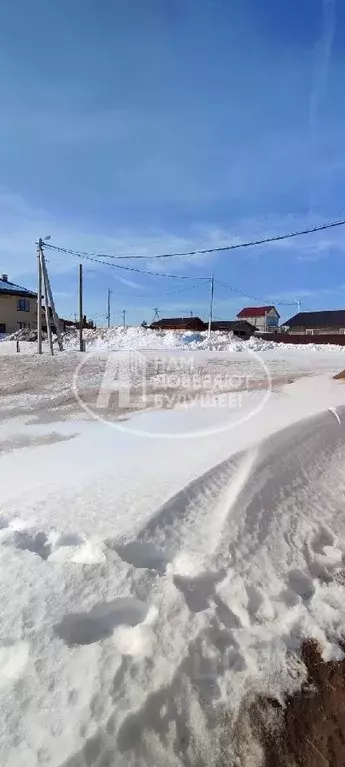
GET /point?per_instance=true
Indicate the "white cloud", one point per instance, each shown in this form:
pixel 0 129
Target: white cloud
pixel 21 225
pixel 129 283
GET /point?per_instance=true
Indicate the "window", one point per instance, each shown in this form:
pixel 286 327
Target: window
pixel 22 325
pixel 2 327
pixel 23 305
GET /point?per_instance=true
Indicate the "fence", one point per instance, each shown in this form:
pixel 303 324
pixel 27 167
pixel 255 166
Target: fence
pixel 285 338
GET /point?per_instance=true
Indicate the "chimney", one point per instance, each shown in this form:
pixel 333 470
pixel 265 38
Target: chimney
pixel 4 277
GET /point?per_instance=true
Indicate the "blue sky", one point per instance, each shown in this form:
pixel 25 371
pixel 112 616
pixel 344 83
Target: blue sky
pixel 147 126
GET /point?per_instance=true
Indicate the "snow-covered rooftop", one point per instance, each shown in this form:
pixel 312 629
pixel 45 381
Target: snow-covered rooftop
pixel 11 287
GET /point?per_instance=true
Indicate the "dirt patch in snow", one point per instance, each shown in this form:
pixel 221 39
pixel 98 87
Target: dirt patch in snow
pixel 310 729
pixel 340 376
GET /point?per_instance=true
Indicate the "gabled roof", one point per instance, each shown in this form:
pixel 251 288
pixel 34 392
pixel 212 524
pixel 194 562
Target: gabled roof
pixel 232 324
pixel 13 289
pixel 256 311
pixel 175 322
pixel 327 319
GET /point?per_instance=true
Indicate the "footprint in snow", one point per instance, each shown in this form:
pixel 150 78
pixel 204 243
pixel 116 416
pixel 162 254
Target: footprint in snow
pixel 322 555
pixel 100 622
pixel 145 555
pixel 301 583
pixel 24 540
pixel 323 537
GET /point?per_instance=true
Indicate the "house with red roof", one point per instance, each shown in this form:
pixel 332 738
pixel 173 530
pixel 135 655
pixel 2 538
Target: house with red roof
pixel 264 318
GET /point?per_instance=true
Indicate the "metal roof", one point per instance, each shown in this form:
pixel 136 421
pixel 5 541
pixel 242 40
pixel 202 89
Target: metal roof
pixel 326 319
pixel 176 321
pixel 256 311
pixel 17 290
pixel 230 324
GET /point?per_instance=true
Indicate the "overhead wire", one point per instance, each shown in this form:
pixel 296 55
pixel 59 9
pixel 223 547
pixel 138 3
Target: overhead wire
pixel 204 251
pixel 77 254
pixel 254 298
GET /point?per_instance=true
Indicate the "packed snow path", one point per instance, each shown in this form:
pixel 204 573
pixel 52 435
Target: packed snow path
pixel 140 650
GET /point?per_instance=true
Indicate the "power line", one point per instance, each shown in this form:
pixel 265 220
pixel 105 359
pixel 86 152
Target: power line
pixel 254 298
pixel 78 255
pixel 251 243
pixel 154 296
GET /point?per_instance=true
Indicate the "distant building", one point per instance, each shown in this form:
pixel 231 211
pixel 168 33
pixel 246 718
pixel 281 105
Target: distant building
pixel 264 318
pixel 178 323
pixel 240 328
pixel 317 323
pixel 67 324
pixel 18 307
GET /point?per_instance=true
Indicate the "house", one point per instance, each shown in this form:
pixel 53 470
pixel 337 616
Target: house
pixel 18 307
pixel 264 318
pixel 179 323
pixel 240 328
pixel 68 324
pixel 317 323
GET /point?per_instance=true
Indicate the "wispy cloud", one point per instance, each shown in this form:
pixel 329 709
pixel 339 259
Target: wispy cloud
pixel 297 294
pixel 129 283
pixel 21 225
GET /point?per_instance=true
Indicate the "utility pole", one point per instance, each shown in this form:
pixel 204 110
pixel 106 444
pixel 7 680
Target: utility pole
pixel 81 343
pixel 52 303
pixel 298 304
pixel 39 296
pixel 156 315
pixel 46 304
pixel 44 282
pixel 124 317
pixel 109 309
pixel 191 312
pixel 211 304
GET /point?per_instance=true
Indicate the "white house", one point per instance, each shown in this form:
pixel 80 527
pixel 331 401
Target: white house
pixel 264 318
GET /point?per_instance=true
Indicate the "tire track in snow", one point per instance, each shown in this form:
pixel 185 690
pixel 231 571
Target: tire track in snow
pixel 191 522
pixel 288 467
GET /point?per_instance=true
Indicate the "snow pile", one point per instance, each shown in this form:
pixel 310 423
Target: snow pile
pixel 25 334
pixel 145 338
pixel 145 594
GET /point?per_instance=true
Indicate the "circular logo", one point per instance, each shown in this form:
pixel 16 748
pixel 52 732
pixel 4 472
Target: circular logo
pixel 136 391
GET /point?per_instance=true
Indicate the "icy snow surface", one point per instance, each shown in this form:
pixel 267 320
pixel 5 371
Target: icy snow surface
pixel 136 338
pixel 141 338
pixel 147 586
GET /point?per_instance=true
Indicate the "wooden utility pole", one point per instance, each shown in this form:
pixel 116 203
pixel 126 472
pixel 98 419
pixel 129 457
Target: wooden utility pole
pixel 52 305
pixel 109 309
pixel 124 317
pixel 46 305
pixel 211 304
pixel 39 297
pixel 81 342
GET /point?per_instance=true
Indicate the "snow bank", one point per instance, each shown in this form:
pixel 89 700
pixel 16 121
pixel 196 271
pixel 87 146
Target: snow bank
pixel 104 339
pixel 146 589
pixel 145 338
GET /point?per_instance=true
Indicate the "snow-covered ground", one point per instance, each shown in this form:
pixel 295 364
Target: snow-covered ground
pixel 145 338
pixel 148 585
